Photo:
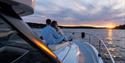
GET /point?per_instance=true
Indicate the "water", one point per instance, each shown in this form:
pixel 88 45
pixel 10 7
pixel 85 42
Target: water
pixel 116 37
pixel 115 40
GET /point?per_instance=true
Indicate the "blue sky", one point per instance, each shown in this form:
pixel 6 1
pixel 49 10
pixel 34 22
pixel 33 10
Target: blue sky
pixel 79 12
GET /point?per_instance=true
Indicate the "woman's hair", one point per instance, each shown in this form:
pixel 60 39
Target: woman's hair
pixel 54 24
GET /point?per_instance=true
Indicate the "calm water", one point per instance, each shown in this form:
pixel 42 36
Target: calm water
pixel 116 37
pixel 115 40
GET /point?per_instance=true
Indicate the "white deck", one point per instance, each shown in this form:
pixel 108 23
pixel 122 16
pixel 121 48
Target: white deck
pixel 90 56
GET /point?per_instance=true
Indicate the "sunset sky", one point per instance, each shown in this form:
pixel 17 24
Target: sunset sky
pixel 99 13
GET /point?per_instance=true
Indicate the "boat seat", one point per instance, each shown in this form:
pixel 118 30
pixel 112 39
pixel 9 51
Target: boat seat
pixel 5 34
pixel 9 54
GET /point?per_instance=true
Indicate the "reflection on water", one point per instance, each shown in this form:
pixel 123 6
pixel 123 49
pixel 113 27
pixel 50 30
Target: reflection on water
pixel 109 36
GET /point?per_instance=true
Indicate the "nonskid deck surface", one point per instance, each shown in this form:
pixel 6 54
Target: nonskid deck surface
pixel 87 51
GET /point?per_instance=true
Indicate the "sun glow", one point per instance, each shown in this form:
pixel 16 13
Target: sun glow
pixel 106 26
pixel 109 26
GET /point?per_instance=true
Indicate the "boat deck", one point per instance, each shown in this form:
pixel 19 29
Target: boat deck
pixel 88 53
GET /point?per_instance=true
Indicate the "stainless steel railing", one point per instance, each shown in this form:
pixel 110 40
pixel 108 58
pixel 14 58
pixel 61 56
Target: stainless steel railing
pixel 97 42
pixel 101 47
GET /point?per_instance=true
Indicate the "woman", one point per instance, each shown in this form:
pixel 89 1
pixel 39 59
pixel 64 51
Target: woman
pixel 59 31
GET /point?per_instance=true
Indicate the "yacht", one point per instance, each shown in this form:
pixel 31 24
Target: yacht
pixel 19 44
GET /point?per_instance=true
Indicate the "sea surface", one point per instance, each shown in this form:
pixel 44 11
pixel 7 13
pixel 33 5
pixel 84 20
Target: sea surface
pixel 114 39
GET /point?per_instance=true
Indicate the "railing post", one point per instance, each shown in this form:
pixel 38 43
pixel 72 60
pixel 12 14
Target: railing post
pixel 99 46
pixel 89 39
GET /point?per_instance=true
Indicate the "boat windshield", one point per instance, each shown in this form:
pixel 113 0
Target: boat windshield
pixel 14 48
pixel 9 35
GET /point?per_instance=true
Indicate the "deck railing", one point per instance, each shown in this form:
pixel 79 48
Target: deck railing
pixel 101 47
pixel 97 42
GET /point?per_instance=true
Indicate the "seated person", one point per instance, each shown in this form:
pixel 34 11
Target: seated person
pixel 54 24
pixel 50 35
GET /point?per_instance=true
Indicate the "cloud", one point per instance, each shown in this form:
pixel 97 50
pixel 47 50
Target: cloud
pixel 81 11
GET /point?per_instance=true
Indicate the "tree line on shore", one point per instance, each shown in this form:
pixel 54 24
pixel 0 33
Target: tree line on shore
pixel 39 25
pixel 120 27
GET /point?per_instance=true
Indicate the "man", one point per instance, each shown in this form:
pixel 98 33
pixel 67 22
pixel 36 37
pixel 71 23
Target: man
pixel 48 21
pixel 50 35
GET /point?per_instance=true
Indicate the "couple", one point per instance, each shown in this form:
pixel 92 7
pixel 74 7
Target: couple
pixel 51 33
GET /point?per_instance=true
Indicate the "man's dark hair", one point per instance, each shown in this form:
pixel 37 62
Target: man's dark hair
pixel 48 21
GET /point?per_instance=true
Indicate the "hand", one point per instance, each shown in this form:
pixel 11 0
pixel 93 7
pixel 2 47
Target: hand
pixel 70 39
pixel 64 40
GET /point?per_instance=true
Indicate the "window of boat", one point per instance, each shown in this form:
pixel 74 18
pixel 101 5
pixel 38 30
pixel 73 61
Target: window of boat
pixel 8 35
pixel 13 49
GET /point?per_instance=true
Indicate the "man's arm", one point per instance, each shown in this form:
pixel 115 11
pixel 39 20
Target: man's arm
pixel 58 37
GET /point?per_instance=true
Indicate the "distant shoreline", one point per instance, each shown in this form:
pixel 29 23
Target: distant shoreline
pixel 37 25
